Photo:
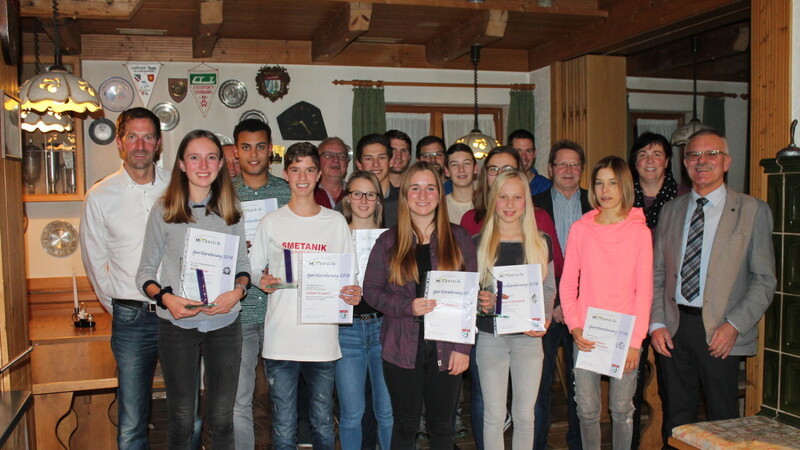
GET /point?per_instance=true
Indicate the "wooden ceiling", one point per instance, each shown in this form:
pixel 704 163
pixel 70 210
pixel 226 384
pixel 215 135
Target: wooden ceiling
pixel 516 35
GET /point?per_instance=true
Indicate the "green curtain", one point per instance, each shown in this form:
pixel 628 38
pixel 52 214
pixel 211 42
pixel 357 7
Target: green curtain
pixel 714 113
pixel 369 112
pixel 521 112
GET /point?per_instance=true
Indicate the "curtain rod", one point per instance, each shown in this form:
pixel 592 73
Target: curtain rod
pixel 381 83
pixel 705 94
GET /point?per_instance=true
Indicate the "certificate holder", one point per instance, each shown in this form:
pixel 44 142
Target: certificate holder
pixel 523 310
pixel 611 332
pixel 254 211
pixel 322 277
pixel 285 259
pixel 214 255
pixel 456 295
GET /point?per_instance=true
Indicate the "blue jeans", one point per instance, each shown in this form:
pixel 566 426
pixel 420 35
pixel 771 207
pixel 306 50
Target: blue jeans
pixel 361 354
pixel 180 350
pixel 134 343
pixel 283 378
pixel 556 335
pixel 252 342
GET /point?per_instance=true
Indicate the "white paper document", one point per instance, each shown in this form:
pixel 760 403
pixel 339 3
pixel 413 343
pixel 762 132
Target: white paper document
pixel 456 295
pixel 254 211
pixel 523 310
pixel 215 254
pixel 322 276
pixel 364 241
pixel 611 332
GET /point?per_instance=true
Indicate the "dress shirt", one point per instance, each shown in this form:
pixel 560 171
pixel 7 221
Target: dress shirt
pixel 566 211
pixel 112 231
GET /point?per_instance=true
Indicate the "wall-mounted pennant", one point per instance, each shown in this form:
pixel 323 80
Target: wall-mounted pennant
pixel 178 88
pixel 144 77
pixel 203 82
pixel 272 82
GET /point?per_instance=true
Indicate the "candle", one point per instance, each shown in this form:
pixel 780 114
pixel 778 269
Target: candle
pixel 498 306
pixel 287 259
pixel 75 291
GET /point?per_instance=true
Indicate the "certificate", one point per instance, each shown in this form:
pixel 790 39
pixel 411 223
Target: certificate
pixel 456 295
pixel 254 211
pixel 611 332
pixel 322 277
pixel 215 254
pixel 523 310
pixel 364 241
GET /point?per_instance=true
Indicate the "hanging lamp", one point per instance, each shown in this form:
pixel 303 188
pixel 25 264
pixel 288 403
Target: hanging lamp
pixel 45 122
pixel 480 143
pixel 682 134
pixel 57 90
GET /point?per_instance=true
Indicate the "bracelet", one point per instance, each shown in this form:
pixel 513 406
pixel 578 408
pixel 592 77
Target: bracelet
pixel 158 297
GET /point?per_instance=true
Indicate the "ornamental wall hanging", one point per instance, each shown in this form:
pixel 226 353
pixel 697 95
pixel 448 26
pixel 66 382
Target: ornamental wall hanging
pixel 272 82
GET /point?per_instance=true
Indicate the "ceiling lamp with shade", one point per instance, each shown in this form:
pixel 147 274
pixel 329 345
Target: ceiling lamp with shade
pixel 682 134
pixel 481 144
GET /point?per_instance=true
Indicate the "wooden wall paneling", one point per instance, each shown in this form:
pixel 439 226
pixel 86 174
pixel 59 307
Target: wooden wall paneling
pixel 53 296
pixel 770 117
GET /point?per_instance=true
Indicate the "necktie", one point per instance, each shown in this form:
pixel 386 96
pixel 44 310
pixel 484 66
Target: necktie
pixel 690 271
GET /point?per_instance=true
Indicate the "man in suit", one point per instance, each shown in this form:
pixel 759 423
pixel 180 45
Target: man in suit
pixel 714 276
pixel 566 202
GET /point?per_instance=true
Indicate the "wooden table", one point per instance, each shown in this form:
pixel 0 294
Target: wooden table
pixel 73 381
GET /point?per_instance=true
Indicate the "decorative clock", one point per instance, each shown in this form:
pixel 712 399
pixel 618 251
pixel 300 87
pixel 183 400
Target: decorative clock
pixel 302 122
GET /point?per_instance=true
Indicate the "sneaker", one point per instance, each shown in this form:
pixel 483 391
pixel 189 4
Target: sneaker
pixel 460 428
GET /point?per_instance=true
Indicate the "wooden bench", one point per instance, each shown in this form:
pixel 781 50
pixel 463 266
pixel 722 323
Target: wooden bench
pixel 754 432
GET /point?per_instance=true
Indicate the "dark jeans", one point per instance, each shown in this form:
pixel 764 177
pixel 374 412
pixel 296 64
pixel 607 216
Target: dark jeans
pixel 134 343
pixel 556 335
pixel 476 399
pixel 409 388
pixel 179 350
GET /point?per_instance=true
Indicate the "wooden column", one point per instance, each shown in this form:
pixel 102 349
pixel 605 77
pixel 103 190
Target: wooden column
pixel 770 111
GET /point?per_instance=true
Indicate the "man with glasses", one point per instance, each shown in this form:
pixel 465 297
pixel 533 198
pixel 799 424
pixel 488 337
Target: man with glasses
pixel 714 276
pixel 566 202
pixel 372 155
pixel 400 144
pixel 334 158
pixel 522 141
pixel 432 149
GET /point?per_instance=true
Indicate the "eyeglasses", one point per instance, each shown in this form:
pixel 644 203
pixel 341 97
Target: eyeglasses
pixel 358 195
pixel 431 155
pixel 494 169
pixel 334 155
pixel 567 166
pixel 710 154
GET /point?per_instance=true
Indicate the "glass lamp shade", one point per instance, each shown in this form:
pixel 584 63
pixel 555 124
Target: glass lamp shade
pixel 481 144
pixel 682 134
pixel 45 122
pixel 58 91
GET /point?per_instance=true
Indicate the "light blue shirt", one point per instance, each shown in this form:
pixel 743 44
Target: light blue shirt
pixel 713 212
pixel 566 211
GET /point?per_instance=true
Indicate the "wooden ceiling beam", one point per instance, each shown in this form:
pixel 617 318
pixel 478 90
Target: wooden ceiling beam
pixel 70 34
pixel 82 9
pixel 628 21
pixel 483 29
pixel 206 30
pixel 560 7
pixel 336 34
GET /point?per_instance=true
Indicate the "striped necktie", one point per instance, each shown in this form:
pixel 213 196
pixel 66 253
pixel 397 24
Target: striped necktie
pixel 690 271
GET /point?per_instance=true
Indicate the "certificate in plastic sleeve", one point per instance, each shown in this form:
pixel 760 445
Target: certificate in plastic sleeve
pixel 254 211
pixel 456 295
pixel 523 310
pixel 322 277
pixel 364 241
pixel 611 331
pixel 215 254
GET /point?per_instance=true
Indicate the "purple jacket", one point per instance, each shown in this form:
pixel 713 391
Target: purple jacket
pixel 400 333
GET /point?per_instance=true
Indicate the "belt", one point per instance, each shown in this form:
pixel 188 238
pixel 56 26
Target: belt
pixel 690 310
pixel 370 316
pixel 136 304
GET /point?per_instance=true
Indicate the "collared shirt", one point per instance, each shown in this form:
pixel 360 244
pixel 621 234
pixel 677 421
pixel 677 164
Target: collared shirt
pixel 539 183
pixel 713 212
pixel 566 211
pixel 254 305
pixel 112 231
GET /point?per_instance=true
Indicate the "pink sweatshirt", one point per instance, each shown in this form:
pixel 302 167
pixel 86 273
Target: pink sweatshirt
pixel 609 267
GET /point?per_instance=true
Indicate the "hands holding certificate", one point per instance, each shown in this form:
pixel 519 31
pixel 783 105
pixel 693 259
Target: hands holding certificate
pixel 421 306
pixel 351 294
pixel 585 345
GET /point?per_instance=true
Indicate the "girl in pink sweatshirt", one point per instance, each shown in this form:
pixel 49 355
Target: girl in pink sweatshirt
pixel 608 265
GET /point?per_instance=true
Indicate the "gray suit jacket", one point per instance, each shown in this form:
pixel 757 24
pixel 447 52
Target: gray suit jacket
pixel 741 271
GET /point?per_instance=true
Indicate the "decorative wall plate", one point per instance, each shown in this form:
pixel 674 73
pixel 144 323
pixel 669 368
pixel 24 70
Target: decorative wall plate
pixel 102 131
pixel 224 140
pixel 273 82
pixel 116 94
pixel 168 114
pixel 178 88
pixel 59 238
pixel 254 114
pixel 232 93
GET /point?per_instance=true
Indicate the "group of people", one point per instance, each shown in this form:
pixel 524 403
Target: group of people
pixel 694 266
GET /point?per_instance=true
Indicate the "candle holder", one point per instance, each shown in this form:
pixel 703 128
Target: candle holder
pixel 82 320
